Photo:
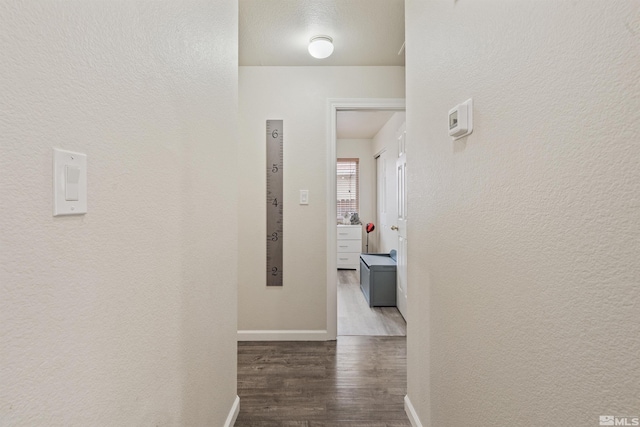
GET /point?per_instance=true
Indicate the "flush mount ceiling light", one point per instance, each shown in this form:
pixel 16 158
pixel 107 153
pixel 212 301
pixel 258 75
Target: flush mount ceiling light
pixel 321 46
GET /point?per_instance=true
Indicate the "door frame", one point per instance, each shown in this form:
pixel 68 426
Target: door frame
pixel 333 106
pixel 377 157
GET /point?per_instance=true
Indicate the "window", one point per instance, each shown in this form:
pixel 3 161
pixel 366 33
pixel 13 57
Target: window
pixel 347 186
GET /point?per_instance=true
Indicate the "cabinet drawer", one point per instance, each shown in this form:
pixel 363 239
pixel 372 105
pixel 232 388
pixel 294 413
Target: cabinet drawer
pixel 349 246
pixel 349 260
pixel 349 233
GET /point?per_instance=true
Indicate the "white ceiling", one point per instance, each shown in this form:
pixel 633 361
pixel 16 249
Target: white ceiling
pixel 360 124
pixel 364 32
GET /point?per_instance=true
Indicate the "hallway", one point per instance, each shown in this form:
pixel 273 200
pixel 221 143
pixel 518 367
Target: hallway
pixel 355 381
pixel 522 256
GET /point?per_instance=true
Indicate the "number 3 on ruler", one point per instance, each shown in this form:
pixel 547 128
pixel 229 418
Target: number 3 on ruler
pixel 274 204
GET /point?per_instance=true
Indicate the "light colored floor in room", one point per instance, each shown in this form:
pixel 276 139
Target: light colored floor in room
pixel 355 317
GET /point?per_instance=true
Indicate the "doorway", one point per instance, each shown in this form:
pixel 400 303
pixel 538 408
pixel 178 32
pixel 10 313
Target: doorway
pixel 337 278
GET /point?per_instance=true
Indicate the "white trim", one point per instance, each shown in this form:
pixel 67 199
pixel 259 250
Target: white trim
pixel 233 413
pixel 333 106
pixel 283 335
pixel 411 413
pixel 332 238
pixel 380 153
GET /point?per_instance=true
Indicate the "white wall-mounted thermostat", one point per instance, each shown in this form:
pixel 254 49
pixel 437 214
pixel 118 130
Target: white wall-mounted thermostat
pixel 461 119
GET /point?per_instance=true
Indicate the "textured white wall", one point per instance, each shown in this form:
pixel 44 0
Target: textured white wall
pixel 298 95
pixel 362 150
pixel 127 315
pixel 524 266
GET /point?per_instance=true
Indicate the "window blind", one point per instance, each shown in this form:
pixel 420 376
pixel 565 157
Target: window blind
pixel 347 187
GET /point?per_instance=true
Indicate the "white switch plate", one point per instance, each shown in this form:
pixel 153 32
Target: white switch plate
pixel 461 120
pixel 63 163
pixel 304 197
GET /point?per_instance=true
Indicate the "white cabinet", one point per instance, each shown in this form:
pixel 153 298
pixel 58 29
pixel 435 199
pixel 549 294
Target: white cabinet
pixel 349 246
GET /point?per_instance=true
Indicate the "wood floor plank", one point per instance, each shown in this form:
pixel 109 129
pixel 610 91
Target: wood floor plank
pixel 356 381
pixel 355 317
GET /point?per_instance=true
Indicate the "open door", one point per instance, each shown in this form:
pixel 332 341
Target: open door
pixel 401 227
pixel 386 198
pixel 335 106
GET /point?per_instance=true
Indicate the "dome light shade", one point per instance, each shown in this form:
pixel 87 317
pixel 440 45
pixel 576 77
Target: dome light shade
pixel 321 46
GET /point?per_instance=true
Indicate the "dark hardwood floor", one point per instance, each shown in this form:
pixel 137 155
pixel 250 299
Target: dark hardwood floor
pixel 357 381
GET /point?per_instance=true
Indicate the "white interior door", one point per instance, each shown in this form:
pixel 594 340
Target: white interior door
pixel 386 194
pixel 401 226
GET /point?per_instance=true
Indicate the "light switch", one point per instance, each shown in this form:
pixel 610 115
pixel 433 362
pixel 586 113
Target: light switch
pixel 304 197
pixel 69 183
pixel 72 174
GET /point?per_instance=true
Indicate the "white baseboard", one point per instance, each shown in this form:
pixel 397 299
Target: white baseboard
pixel 283 335
pixel 233 413
pixel 411 413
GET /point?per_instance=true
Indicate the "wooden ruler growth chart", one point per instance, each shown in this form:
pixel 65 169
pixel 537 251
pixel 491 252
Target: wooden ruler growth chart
pixel 274 202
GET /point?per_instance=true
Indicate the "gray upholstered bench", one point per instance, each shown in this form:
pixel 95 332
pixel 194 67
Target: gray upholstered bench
pixel 378 279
